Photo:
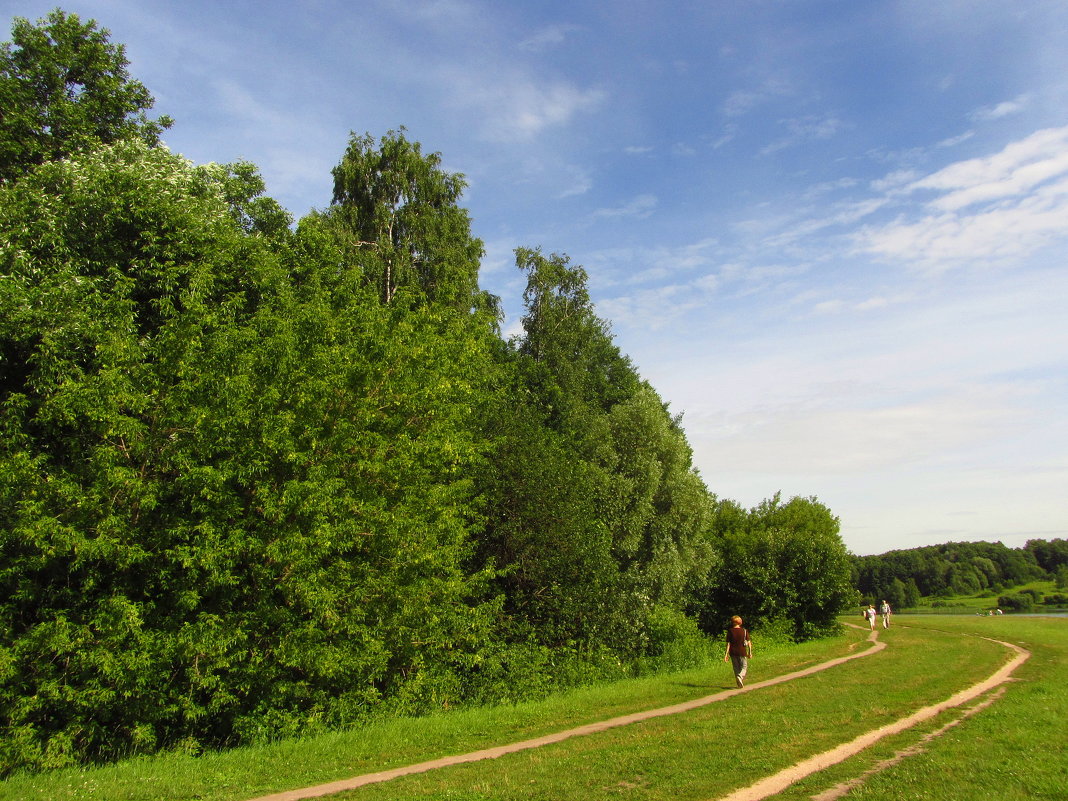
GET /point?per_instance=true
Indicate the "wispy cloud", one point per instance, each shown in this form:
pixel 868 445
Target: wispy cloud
pixel 640 206
pixel 520 108
pixel 580 184
pixel 1005 109
pixel 996 209
pixel 1013 172
pixel 743 101
pixel 548 37
pixel 805 129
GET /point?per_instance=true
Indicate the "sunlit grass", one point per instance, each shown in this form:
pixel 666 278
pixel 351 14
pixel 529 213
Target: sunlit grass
pixel 1014 745
pixel 1011 750
pixel 711 751
pixel 248 772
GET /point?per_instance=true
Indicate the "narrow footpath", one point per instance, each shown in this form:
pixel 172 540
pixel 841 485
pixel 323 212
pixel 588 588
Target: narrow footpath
pixel 783 779
pixel 342 785
pixel 762 789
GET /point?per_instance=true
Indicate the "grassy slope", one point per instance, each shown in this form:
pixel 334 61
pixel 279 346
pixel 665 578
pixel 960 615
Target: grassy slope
pixel 964 604
pixel 245 773
pixel 699 755
pixel 712 751
pixel 1010 751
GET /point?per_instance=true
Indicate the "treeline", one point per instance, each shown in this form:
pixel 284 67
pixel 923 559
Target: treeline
pixel 260 478
pixel 958 568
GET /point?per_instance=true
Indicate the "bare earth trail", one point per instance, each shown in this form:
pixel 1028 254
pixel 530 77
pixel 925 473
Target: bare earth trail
pixel 762 789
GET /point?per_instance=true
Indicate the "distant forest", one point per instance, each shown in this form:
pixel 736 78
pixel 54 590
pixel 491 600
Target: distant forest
pixel 263 477
pixel 960 568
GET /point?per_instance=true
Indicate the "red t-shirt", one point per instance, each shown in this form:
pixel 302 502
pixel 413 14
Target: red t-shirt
pixel 737 636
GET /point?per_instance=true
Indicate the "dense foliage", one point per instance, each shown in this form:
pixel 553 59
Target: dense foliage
pixel 64 89
pixel 957 568
pixel 259 478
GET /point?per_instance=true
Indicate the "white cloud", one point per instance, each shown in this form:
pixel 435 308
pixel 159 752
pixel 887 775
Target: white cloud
pixel 1006 109
pixel 1014 171
pixel 895 180
pixel 580 183
pixel 997 209
pixel 520 108
pixel 953 141
pixel 743 101
pixel 805 129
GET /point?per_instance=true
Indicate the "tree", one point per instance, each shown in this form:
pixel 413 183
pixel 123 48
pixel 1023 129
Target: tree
pixel 232 505
pixel 1050 554
pixel 572 363
pixel 783 561
pixel 65 89
pixel 399 210
pixel 597 516
pixel 1060 577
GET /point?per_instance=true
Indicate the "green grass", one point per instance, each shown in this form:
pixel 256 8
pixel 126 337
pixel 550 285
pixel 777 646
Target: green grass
pixel 241 774
pixel 983 601
pixel 1010 750
pixel 709 752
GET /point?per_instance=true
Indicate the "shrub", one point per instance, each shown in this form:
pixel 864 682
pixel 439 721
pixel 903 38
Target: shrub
pixel 1016 603
pixel 675 643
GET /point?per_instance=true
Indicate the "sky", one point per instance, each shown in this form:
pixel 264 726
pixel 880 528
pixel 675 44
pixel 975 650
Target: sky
pixel 832 234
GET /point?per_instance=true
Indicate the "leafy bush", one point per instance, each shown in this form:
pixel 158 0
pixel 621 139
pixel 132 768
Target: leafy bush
pixel 675 642
pixel 1036 595
pixel 1019 602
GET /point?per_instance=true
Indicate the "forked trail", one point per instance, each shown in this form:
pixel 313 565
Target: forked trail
pixel 780 781
pixel 762 789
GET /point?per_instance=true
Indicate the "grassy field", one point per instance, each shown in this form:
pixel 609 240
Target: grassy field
pixel 1012 750
pixel 981 602
pixel 1015 745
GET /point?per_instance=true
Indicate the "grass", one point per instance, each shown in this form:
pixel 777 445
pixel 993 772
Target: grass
pixel 983 601
pixel 245 773
pixel 711 751
pixel 1010 750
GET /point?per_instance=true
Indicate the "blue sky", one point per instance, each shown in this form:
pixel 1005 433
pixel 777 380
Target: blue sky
pixel 832 234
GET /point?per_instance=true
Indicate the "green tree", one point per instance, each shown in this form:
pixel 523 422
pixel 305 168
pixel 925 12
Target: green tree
pixel 232 505
pixel 65 89
pixel 1050 554
pixel 1060 576
pixel 784 561
pixel 398 209
pixel 597 516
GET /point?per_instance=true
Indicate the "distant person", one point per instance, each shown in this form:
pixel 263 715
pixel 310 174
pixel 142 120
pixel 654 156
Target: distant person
pixel 884 610
pixel 739 650
pixel 869 615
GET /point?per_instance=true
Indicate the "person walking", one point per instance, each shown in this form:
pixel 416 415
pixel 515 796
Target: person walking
pixel 739 650
pixel 884 610
pixel 869 613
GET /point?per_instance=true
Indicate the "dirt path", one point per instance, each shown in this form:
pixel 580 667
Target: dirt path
pixel 780 781
pixel 492 753
pixel 760 790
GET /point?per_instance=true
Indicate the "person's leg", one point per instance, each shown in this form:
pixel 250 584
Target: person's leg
pixel 741 666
